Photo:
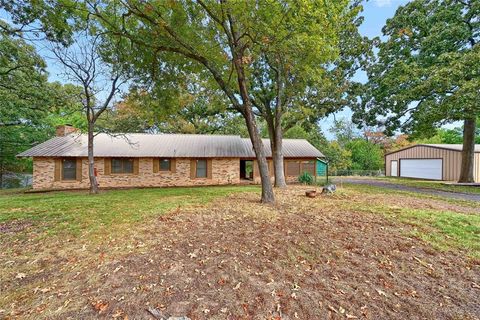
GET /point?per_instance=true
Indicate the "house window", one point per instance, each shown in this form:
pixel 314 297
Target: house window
pixel 293 168
pixel 69 169
pixel 308 166
pixel 122 165
pixel 201 168
pixel 165 165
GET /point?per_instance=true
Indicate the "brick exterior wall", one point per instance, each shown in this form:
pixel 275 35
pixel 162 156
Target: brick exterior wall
pixel 224 171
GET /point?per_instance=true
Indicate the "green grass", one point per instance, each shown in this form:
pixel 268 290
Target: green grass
pixel 76 212
pixel 381 190
pixel 443 229
pixel 432 185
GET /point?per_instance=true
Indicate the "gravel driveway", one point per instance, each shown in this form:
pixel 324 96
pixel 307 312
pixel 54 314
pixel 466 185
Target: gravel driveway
pixel 396 186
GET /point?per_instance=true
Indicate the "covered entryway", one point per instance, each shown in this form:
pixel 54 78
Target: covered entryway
pixel 246 169
pixel 421 168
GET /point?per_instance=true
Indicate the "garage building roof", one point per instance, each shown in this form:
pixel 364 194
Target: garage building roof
pixel 454 147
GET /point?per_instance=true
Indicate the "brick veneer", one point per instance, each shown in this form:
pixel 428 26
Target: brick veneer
pixel 224 171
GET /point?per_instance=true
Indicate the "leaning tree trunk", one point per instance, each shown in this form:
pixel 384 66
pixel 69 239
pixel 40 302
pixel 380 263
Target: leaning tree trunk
pixel 91 162
pixel 468 152
pixel 267 190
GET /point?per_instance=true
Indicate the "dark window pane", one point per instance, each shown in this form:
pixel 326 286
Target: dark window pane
pixel 69 169
pixel 122 165
pixel 127 165
pixel 117 166
pixel 201 168
pixel 293 168
pixel 164 164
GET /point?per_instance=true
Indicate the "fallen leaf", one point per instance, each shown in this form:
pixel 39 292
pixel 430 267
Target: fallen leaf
pixel 333 309
pixel 20 275
pixel 382 293
pixel 100 306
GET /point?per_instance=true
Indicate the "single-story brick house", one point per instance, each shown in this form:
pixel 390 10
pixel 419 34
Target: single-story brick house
pixel 159 160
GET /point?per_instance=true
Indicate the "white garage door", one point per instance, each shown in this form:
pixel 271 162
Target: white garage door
pixel 421 168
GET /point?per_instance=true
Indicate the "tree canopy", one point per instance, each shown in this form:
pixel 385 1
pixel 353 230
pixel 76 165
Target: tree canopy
pixel 30 105
pixel 427 72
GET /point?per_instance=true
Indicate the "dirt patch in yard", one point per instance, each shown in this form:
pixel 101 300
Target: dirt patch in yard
pixel 14 226
pixel 237 259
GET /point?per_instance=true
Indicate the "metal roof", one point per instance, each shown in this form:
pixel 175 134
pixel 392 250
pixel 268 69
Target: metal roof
pixel 165 145
pixel 454 147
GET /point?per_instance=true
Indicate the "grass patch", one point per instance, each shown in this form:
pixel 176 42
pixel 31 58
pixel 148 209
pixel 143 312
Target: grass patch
pixel 444 230
pixel 371 189
pixel 76 212
pixel 436 185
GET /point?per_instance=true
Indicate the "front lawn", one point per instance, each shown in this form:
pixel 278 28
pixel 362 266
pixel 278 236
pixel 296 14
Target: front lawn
pixel 217 253
pixel 77 213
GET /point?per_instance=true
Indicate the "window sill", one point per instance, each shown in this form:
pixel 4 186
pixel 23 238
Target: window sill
pixel 121 174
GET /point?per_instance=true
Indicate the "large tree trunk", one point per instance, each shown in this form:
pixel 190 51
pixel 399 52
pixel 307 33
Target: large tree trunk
pixel 468 152
pixel 276 135
pixel 267 189
pixel 277 153
pixel 91 162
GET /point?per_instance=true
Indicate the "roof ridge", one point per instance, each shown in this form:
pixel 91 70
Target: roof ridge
pixel 164 145
pixel 113 134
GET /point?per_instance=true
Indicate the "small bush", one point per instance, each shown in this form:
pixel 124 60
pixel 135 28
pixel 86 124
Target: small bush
pixel 305 178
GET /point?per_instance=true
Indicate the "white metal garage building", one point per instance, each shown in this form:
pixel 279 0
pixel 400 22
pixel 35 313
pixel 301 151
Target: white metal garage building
pixel 429 161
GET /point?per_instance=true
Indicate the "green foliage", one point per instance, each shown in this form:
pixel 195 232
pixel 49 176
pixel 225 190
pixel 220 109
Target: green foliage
pixel 338 157
pixel 344 131
pixel 289 45
pixel 24 89
pixel 428 70
pixel 196 111
pixel 297 132
pixel 55 20
pixel 449 136
pixel 30 106
pixel 365 155
pixel 305 178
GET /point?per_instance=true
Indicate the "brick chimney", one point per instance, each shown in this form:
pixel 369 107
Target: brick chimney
pixel 65 130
